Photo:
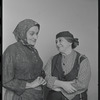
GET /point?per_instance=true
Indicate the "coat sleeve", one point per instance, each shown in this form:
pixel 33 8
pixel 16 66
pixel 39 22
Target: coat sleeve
pixel 84 75
pixel 50 79
pixel 9 82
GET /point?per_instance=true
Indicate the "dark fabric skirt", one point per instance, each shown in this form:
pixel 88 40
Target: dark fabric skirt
pixel 52 95
pixel 29 94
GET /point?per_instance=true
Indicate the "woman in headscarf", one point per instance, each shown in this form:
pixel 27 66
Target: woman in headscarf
pixel 68 72
pixel 23 74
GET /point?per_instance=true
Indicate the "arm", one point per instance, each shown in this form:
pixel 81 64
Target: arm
pixel 9 82
pixel 54 83
pixel 81 83
pixel 49 79
pixel 84 75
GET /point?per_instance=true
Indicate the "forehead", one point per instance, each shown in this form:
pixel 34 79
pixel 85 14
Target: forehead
pixel 34 28
pixel 61 38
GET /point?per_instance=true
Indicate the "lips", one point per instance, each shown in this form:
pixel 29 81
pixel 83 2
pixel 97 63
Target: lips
pixel 60 46
pixel 33 40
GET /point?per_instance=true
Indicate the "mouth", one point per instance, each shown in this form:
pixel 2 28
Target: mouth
pixel 33 40
pixel 59 46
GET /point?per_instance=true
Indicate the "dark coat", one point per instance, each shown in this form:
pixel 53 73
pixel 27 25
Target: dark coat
pixel 21 65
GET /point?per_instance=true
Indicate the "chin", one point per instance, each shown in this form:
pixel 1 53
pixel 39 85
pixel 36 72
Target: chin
pixel 60 51
pixel 33 44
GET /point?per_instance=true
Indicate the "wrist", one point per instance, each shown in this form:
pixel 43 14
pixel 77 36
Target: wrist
pixel 58 83
pixel 27 85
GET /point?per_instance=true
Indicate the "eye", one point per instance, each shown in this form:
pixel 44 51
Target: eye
pixel 60 40
pixel 32 33
pixel 37 33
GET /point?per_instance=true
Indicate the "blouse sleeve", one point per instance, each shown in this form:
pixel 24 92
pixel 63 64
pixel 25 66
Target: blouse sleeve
pixel 84 75
pixel 50 79
pixel 9 82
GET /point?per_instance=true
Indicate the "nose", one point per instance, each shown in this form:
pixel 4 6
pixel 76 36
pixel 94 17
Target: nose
pixel 35 36
pixel 57 43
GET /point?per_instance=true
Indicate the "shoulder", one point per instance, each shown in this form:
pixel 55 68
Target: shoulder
pixel 82 57
pixel 84 61
pixel 52 57
pixel 11 48
pixel 56 55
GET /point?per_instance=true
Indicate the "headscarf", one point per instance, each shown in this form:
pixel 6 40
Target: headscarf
pixel 22 28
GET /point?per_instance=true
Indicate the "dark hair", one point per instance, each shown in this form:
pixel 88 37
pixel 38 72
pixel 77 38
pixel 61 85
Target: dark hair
pixel 74 42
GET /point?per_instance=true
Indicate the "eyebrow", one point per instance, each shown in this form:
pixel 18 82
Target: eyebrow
pixel 34 31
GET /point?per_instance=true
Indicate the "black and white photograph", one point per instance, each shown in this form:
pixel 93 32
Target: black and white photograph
pixel 50 50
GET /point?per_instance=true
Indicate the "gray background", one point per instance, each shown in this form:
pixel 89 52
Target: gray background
pixel 80 17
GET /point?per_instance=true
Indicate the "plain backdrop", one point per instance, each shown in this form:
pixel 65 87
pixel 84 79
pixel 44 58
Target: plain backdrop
pixel 80 17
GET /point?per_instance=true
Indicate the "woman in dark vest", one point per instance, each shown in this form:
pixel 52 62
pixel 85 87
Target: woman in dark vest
pixel 23 74
pixel 68 72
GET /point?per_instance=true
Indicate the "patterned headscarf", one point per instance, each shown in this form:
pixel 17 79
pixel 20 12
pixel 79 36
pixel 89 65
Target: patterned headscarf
pixel 22 28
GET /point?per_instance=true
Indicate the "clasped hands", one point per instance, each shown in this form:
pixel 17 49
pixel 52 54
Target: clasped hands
pixel 62 86
pixel 37 82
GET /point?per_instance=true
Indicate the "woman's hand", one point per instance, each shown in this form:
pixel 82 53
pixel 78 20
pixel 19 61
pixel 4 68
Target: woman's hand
pixel 57 89
pixel 66 85
pixel 38 81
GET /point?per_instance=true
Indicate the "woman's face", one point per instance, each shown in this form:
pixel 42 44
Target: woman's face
pixel 32 35
pixel 62 44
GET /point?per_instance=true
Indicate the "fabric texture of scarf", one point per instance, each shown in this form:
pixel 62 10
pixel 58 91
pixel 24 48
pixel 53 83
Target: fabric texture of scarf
pixel 21 30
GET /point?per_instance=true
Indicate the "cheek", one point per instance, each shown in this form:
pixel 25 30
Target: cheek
pixel 67 46
pixel 29 37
